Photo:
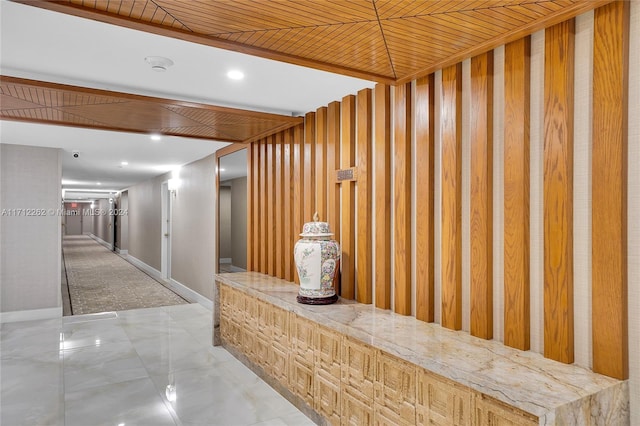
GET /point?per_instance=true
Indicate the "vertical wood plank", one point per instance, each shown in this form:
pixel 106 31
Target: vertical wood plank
pixel 402 199
pixel 424 198
pixel 263 206
pixel 271 222
pixel 321 157
pixel 481 205
pixel 287 218
pixel 452 197
pixel 558 192
pixel 609 193
pixel 251 190
pixel 216 268
pixel 333 164
pixel 309 203
pixel 278 206
pixel 364 293
pixel 382 148
pixel 348 193
pixel 255 212
pixel 516 194
pixel 298 175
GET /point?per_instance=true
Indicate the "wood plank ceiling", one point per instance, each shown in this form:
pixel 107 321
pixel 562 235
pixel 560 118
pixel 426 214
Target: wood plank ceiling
pixel 37 101
pixel 389 41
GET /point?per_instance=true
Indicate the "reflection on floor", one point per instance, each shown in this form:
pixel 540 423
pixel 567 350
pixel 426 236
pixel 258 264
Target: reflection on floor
pixel 151 366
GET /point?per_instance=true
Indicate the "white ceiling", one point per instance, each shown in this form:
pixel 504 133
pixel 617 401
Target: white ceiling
pixel 49 46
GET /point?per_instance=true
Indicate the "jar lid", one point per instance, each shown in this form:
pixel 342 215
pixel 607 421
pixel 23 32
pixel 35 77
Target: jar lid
pixel 316 228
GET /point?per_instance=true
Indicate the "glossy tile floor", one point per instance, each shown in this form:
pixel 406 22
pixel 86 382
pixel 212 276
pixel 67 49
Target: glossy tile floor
pixel 151 366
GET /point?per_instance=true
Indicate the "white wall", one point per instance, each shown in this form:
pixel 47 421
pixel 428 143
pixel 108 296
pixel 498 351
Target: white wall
pixel 145 221
pixel 193 225
pixel 30 246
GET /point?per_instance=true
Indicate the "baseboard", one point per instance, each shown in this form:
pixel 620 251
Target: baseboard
pixel 101 241
pixel 181 289
pixel 146 268
pixel 190 295
pixel 122 252
pixel 31 315
pixel 237 269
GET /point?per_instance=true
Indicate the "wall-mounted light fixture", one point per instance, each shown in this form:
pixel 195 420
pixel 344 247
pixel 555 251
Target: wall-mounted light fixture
pixel 174 182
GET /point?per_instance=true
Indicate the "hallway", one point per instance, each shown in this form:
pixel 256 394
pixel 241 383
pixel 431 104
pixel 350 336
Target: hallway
pixel 101 281
pixel 116 369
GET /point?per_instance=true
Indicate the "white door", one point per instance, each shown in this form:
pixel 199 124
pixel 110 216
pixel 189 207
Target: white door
pixel 166 232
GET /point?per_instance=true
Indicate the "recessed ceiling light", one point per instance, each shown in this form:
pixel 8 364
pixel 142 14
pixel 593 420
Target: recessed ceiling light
pixel 235 75
pixel 155 137
pixel 222 170
pixel 158 63
pixel 124 163
pixel 98 183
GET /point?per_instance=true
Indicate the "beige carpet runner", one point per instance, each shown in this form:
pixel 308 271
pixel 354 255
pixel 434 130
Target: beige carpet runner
pixel 100 281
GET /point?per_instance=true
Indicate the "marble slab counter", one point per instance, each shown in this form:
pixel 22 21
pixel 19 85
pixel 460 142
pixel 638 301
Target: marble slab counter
pixel 554 392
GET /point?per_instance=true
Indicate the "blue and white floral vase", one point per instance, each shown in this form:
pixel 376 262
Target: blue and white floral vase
pixel 317 258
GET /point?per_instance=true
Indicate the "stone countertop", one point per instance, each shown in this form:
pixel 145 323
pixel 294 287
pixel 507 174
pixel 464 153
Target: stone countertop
pixel 550 390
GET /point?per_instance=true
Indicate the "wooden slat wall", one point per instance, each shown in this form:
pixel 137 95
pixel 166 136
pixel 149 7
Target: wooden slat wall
pixel 348 199
pixel 402 198
pixel 270 194
pixel 609 196
pixel 278 204
pixel 297 185
pixel 253 228
pixel 558 192
pixel 356 132
pixel 364 287
pixel 481 215
pixel 333 164
pixel 321 157
pixel 263 207
pixel 451 244
pixel 287 217
pixel 516 194
pixel 425 94
pixel 309 190
pixel 382 153
pixel 250 192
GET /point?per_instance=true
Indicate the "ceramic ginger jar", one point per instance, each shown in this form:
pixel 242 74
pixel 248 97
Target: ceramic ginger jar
pixel 317 258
